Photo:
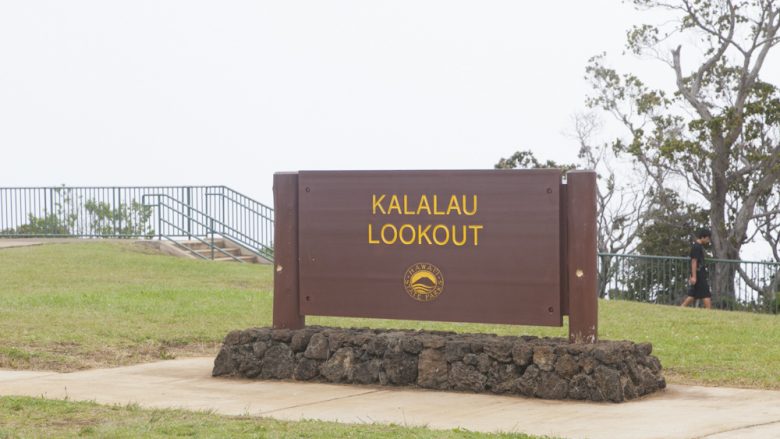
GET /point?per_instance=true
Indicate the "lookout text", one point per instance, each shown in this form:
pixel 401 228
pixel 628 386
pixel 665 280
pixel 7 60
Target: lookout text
pixel 407 232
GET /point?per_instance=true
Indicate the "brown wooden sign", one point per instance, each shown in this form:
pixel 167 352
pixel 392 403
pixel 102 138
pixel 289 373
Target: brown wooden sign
pixel 468 246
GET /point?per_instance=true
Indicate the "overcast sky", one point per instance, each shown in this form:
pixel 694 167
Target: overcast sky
pixel 195 93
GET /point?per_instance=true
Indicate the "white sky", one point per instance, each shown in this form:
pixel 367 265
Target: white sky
pixel 193 92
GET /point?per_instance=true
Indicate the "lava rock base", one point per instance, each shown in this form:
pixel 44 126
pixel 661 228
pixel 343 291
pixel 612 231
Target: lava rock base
pixel 549 368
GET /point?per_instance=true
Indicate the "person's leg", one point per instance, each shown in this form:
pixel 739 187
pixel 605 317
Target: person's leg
pixel 688 300
pixel 707 296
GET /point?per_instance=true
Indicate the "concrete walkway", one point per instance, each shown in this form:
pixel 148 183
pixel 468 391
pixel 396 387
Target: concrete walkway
pixel 29 242
pixel 679 412
pixel 18 242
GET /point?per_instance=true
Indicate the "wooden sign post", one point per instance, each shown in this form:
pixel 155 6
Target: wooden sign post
pixel 497 246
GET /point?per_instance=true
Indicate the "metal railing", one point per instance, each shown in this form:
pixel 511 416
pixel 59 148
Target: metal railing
pixel 736 285
pixel 121 212
pixel 253 220
pixel 201 220
pixel 171 208
pixel 201 212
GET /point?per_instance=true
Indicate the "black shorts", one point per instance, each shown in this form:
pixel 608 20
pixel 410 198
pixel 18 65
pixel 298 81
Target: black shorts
pixel 700 290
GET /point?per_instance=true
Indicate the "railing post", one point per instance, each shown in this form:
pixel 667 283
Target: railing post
pixel 114 210
pixel 223 215
pixel 51 202
pixel 189 212
pixel 159 219
pixel 211 227
pixel 581 256
pixel 286 312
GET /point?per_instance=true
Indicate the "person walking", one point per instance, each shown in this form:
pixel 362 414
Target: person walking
pixel 699 282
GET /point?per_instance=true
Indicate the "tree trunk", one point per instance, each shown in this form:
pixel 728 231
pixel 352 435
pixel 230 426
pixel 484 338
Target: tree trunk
pixel 606 271
pixel 722 277
pixel 723 247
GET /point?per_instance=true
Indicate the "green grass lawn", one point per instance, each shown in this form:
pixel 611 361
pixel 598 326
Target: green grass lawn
pixel 72 306
pixel 36 417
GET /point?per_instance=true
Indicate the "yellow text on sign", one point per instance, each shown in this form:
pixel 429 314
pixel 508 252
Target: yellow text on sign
pixel 424 234
pixel 440 234
pixel 424 205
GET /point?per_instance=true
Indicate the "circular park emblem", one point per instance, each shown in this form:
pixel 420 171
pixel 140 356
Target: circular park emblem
pixel 423 281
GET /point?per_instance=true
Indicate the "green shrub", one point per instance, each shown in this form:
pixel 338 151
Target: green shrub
pixel 50 224
pixel 125 220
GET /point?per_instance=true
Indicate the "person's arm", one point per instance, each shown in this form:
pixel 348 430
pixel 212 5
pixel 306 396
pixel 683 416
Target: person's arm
pixel 694 266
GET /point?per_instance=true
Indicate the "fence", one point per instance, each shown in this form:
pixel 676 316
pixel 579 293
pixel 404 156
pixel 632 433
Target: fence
pixel 131 212
pixel 736 285
pixel 178 212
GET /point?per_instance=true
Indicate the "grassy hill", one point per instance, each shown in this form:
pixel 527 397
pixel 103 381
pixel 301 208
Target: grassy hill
pixel 80 305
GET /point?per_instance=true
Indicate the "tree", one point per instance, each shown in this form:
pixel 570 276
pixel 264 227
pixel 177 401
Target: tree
pixel 667 230
pixel 527 160
pixel 768 218
pixel 624 195
pixel 717 131
pixel 669 227
pixel 621 200
pixel 619 205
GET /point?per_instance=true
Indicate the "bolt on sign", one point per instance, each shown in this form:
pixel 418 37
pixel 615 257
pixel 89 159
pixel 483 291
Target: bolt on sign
pixel 492 246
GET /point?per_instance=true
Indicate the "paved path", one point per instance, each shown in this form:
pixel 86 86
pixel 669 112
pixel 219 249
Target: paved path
pixel 28 242
pixel 678 412
pixel 18 242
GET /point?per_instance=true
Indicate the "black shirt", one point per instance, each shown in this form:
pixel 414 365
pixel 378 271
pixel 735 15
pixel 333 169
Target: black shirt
pixel 697 252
